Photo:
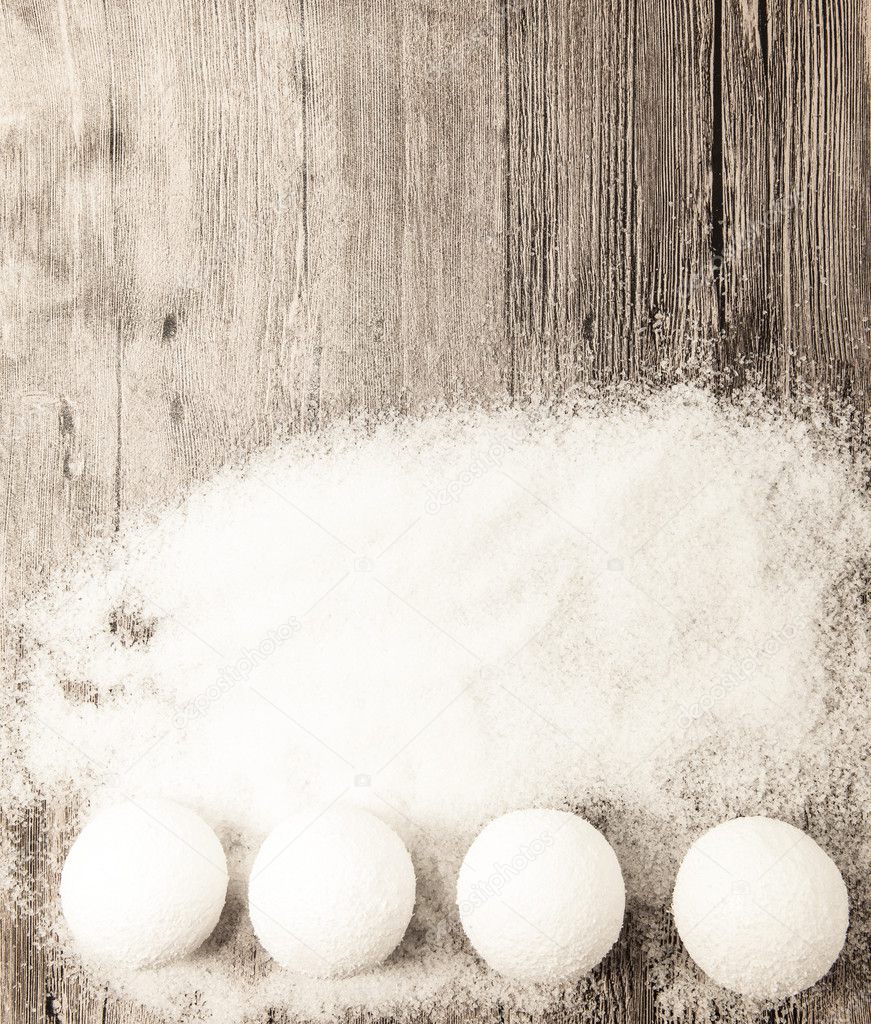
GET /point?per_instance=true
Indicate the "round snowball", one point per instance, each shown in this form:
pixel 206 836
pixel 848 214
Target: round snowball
pixel 541 895
pixel 144 883
pixel 332 895
pixel 760 907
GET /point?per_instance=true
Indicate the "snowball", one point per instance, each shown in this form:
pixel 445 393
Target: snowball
pixel 331 895
pixel 760 907
pixel 541 895
pixel 144 883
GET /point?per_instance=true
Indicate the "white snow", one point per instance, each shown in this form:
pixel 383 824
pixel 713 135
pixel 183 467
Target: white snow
pixel 648 610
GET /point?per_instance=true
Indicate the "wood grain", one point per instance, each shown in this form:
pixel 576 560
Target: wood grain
pixel 212 344
pixel 609 133
pixel 225 221
pixel 794 166
pixel 405 175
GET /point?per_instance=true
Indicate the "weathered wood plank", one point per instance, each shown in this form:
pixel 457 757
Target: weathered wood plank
pixel 213 352
pixel 609 135
pixel 58 387
pixel 796 156
pixel 404 127
pixel 57 380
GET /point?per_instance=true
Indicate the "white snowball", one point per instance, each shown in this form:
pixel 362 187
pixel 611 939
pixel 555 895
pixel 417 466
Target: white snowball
pixel 541 895
pixel 144 883
pixel 333 895
pixel 760 907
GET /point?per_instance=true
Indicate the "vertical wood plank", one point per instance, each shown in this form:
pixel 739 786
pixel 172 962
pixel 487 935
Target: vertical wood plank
pixel 57 383
pixel 453 329
pixel 404 128
pixel 57 375
pixel 609 136
pixel 213 352
pixel 797 153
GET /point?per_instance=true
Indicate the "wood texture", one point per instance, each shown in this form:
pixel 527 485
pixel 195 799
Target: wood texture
pixel 794 163
pixel 404 165
pixel 608 141
pixel 222 221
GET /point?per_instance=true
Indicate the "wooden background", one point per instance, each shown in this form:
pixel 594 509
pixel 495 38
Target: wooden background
pixel 226 217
